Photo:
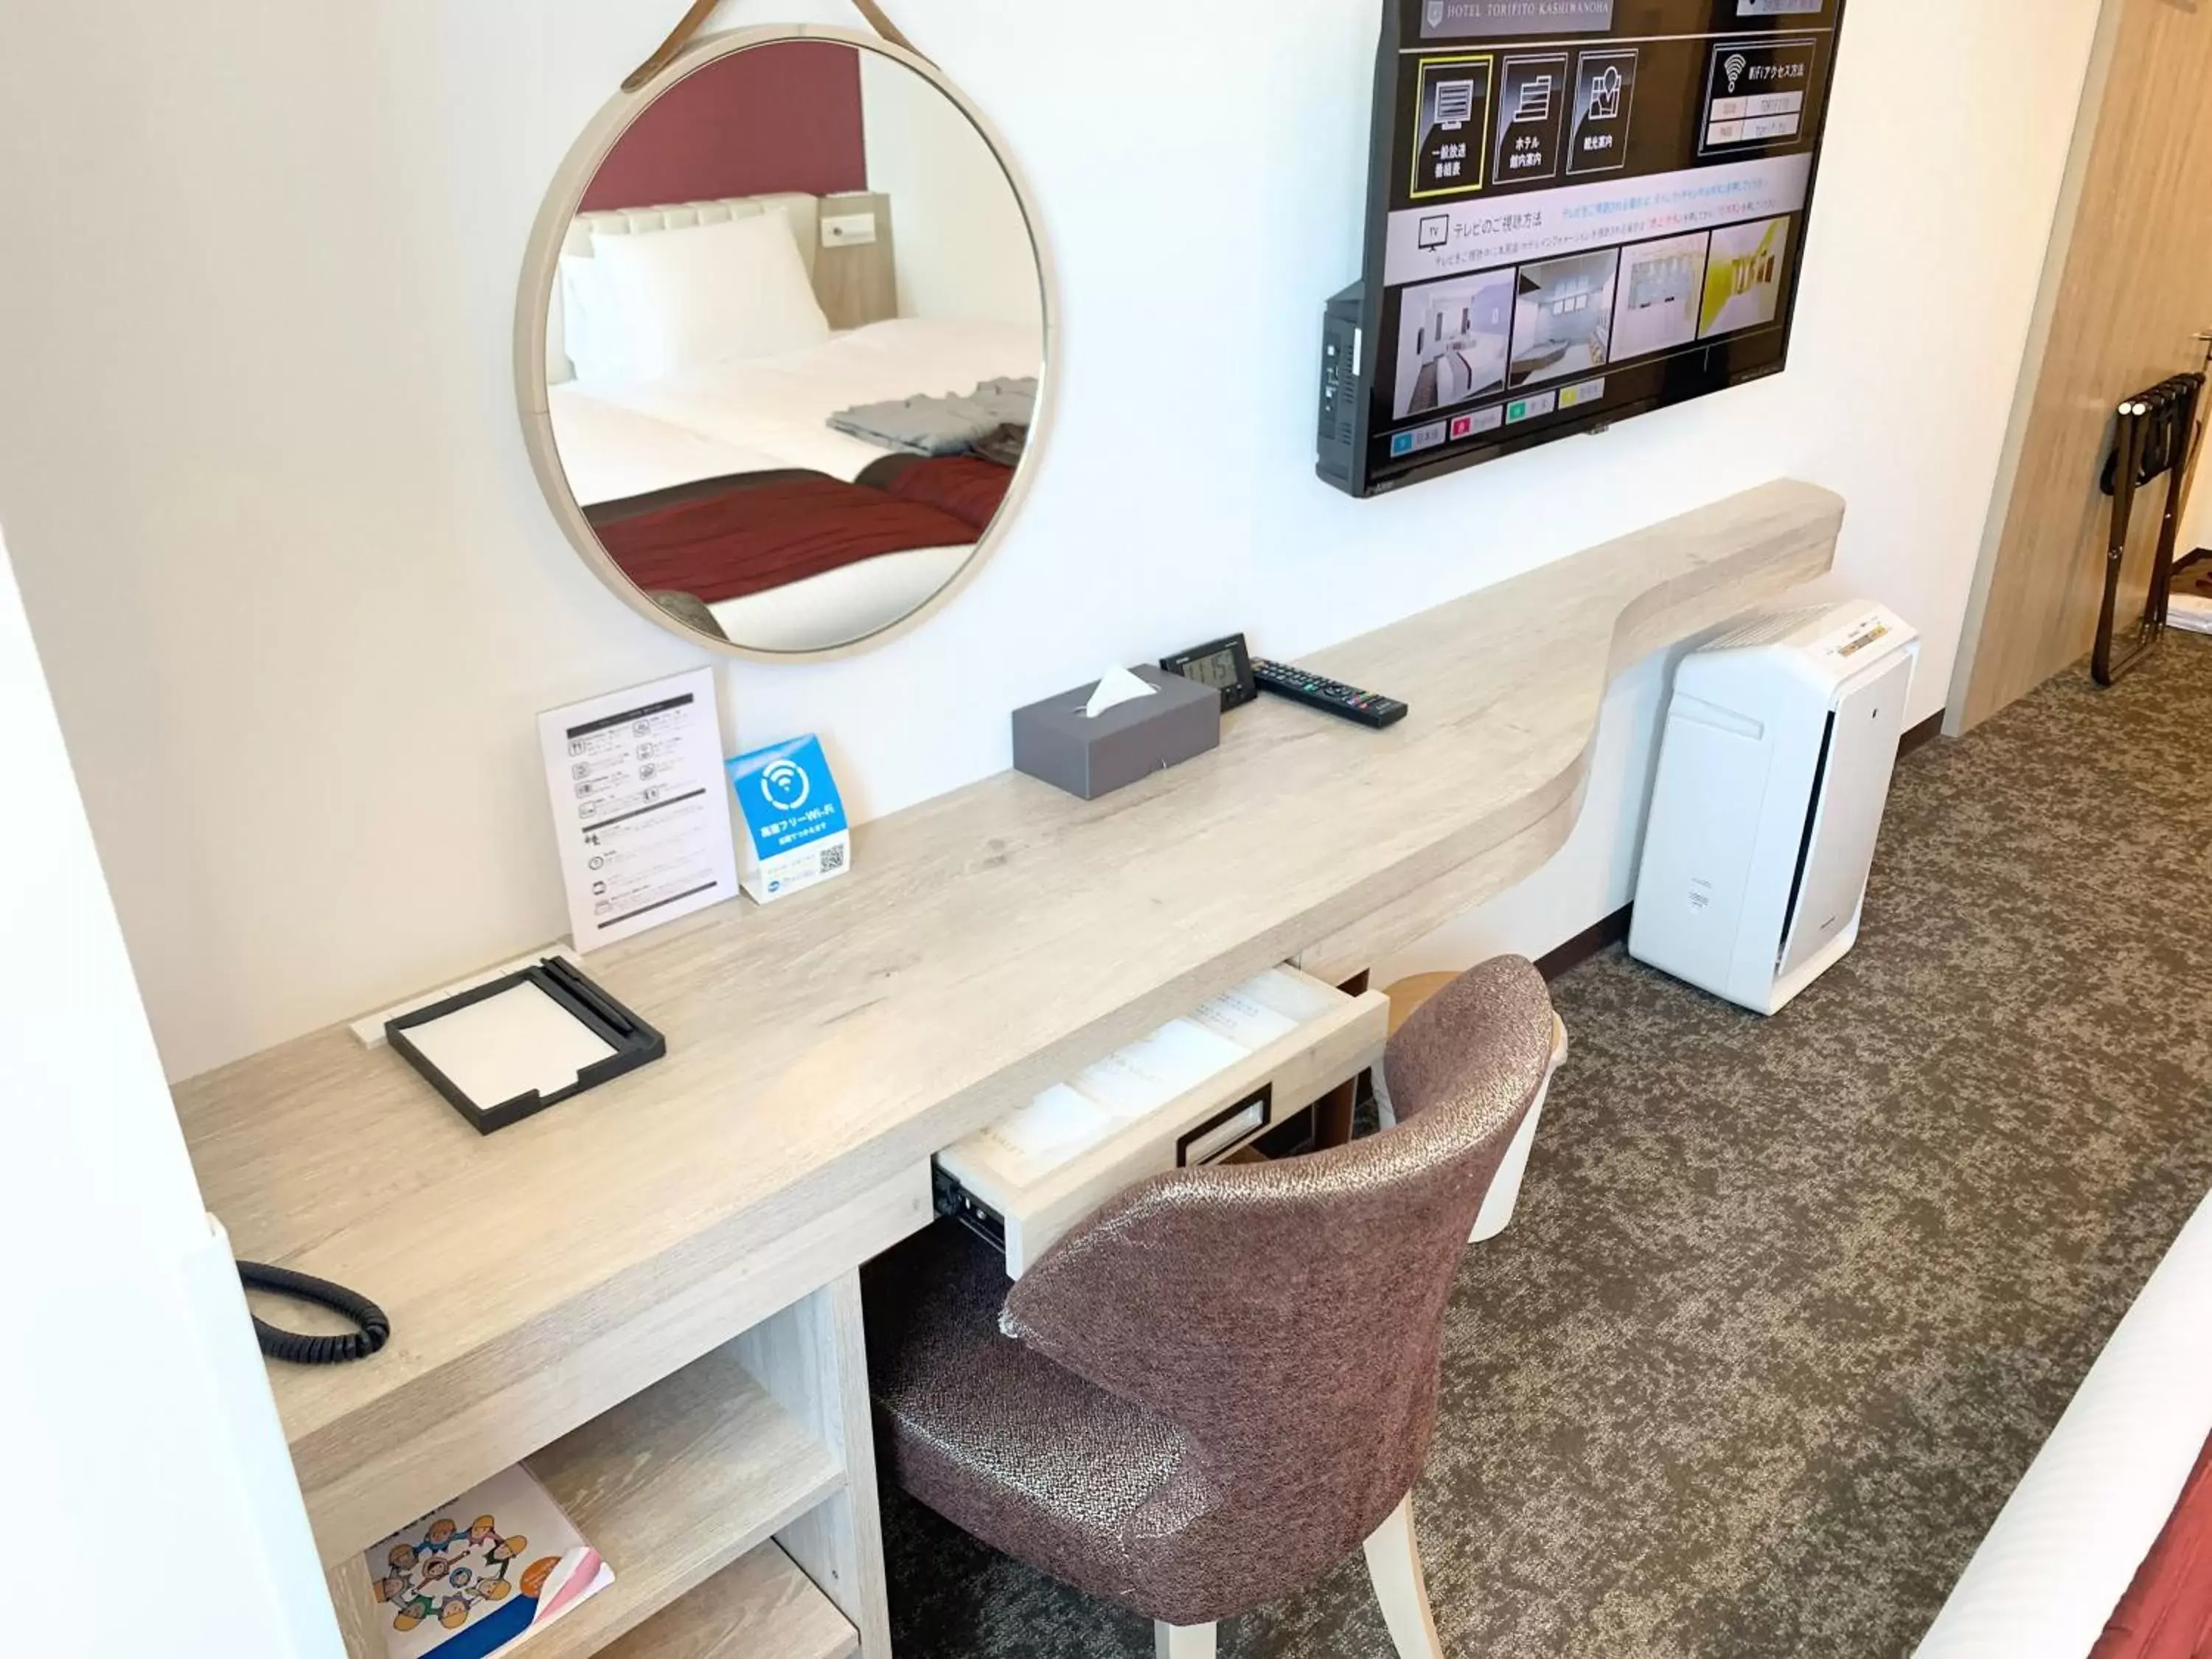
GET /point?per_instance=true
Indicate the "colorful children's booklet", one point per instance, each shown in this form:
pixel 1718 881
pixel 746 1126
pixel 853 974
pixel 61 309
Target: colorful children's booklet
pixel 478 1576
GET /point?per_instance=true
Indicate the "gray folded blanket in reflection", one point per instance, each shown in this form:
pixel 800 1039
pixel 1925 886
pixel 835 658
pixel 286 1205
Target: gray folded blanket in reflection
pixel 691 610
pixel 942 426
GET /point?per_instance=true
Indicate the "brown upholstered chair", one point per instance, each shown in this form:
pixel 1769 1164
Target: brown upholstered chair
pixel 1425 1085
pixel 1221 1385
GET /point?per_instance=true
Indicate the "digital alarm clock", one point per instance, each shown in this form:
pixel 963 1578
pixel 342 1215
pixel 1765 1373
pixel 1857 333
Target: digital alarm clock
pixel 1225 664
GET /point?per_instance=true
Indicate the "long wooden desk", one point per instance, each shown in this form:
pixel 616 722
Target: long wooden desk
pixel 990 943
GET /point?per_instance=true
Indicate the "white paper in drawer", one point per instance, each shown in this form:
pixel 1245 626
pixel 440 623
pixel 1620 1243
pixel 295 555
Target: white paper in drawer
pixel 1026 1146
pixel 1243 1018
pixel 1148 1074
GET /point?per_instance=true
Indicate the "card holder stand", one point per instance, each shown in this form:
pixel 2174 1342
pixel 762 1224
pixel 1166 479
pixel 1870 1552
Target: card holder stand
pixel 634 1043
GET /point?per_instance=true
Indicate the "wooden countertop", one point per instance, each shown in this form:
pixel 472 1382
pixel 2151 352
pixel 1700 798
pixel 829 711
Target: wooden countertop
pixel 989 942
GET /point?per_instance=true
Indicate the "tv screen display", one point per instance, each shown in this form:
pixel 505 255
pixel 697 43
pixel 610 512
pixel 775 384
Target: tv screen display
pixel 1579 210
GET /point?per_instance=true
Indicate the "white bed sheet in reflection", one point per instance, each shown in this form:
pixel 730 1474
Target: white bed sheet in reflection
pixel 769 414
pixel 840 606
pixel 780 407
pixel 611 453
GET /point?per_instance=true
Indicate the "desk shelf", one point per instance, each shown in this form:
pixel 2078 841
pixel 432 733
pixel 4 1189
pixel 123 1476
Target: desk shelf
pixel 673 1487
pixel 763 1607
pixel 734 1499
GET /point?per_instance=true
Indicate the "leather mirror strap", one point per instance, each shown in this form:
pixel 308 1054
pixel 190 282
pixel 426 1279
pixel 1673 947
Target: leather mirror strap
pixel 696 19
pixel 884 25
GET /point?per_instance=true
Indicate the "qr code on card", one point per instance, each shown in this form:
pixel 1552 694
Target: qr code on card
pixel 833 858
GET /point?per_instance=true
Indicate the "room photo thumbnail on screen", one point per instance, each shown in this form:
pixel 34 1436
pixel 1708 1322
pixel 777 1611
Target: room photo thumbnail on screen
pixel 1743 279
pixel 1453 337
pixel 1563 317
pixel 1661 285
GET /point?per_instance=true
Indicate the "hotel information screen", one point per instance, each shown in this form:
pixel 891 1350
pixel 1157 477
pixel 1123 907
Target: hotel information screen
pixel 1589 208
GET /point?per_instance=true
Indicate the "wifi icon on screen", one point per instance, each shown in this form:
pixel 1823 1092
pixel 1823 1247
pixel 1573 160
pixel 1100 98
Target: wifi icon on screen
pixel 1733 69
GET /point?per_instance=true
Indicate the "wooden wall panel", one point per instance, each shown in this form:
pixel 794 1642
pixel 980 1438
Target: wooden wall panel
pixel 2131 286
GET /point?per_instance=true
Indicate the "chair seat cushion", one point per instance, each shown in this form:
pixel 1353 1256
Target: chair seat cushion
pixel 1010 1448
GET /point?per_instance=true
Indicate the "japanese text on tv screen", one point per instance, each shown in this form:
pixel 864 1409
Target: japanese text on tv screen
pixel 1584 210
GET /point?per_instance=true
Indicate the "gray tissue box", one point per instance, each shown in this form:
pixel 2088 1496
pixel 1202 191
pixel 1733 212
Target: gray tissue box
pixel 1054 740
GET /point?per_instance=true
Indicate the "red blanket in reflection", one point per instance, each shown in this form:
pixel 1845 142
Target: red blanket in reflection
pixel 727 538
pixel 971 491
pixel 2167 1613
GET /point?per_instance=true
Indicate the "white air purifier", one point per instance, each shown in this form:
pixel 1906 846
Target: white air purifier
pixel 1780 744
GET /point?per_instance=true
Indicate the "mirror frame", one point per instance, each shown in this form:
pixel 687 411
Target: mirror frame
pixel 541 272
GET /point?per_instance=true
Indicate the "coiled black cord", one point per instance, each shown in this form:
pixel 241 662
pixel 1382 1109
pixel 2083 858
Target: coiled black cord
pixel 294 1349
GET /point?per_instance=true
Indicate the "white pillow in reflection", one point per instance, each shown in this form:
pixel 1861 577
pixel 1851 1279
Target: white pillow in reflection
pixel 707 293
pixel 590 338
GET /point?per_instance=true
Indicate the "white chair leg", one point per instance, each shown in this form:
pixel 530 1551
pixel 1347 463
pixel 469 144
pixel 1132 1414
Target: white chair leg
pixel 1504 1195
pixel 1394 1562
pixel 1183 1641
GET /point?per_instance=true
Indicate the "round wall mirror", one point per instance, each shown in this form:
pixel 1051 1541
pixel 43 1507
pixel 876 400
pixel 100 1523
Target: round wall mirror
pixel 783 342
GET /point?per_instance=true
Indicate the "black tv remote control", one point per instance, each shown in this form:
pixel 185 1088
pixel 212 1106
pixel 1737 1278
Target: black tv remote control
pixel 1346 702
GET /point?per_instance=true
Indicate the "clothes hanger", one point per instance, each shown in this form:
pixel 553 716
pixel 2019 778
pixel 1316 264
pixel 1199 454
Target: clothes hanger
pixel 696 19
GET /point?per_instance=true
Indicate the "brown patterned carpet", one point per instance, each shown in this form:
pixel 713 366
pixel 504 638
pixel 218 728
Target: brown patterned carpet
pixel 1790 1305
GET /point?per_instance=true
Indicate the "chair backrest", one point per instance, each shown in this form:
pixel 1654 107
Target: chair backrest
pixel 1289 1316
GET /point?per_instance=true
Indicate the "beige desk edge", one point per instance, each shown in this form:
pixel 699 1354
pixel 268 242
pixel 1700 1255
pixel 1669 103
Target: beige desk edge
pixel 990 942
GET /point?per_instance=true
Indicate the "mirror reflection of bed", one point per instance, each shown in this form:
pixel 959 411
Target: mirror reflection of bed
pixel 794 348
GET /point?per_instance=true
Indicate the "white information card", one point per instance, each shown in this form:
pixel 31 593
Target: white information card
pixel 635 778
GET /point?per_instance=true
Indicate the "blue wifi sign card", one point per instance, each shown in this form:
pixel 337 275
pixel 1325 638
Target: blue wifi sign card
pixel 798 836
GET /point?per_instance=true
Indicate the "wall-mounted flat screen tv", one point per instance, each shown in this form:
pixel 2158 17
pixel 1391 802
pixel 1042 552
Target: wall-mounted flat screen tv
pixel 1579 210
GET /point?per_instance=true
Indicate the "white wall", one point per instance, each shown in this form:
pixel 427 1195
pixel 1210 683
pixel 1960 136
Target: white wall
pixel 301 598
pixel 141 1428
pixel 962 246
pixel 2196 527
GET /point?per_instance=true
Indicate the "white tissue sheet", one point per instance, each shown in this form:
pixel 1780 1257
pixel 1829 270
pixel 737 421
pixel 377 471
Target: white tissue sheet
pixel 1115 687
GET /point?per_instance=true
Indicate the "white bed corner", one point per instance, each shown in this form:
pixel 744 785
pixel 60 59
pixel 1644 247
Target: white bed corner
pixel 2071 1539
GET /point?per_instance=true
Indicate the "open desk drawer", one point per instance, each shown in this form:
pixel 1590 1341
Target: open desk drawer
pixel 1334 1037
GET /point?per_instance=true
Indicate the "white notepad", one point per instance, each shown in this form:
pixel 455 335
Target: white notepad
pixel 500 1049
